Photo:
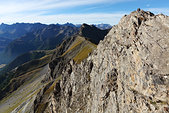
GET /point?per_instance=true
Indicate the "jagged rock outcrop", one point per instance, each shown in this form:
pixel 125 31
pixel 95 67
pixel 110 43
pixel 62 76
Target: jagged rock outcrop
pixel 129 71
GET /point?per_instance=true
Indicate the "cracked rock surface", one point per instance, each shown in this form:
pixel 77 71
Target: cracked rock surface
pixel 128 72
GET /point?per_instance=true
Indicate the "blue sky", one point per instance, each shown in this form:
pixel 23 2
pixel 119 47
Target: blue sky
pixel 75 11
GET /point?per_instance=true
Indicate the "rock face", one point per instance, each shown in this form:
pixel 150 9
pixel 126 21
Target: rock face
pixel 129 71
pixel 92 33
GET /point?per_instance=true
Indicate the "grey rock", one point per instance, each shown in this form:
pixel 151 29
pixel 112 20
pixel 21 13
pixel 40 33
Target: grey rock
pixel 129 71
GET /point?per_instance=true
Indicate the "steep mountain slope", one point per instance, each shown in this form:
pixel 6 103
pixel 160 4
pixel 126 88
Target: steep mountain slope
pixel 25 58
pixel 77 51
pixel 128 72
pixel 80 47
pixel 12 79
pixel 33 82
pixel 6 75
pixel 22 99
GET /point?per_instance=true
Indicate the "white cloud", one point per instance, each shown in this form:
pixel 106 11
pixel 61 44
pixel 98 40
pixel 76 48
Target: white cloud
pixel 18 6
pixel 93 18
pixel 12 11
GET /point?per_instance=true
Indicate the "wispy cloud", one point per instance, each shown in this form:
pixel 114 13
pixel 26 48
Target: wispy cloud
pixel 18 6
pixel 93 18
pixel 39 11
pixel 46 11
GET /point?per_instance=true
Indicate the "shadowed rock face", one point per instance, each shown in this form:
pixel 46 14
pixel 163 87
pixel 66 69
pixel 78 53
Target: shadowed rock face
pixel 129 71
pixel 92 33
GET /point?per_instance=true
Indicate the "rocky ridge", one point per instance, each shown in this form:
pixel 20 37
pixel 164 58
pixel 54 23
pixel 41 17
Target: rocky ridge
pixel 42 68
pixel 128 72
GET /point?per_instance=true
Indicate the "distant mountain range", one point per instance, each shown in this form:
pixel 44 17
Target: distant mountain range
pixel 18 29
pixel 44 39
pixel 20 38
pixel 10 32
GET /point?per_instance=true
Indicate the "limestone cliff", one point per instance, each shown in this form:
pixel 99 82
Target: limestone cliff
pixel 128 72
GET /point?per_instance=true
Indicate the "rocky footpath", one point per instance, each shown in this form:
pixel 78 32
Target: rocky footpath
pixel 129 71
